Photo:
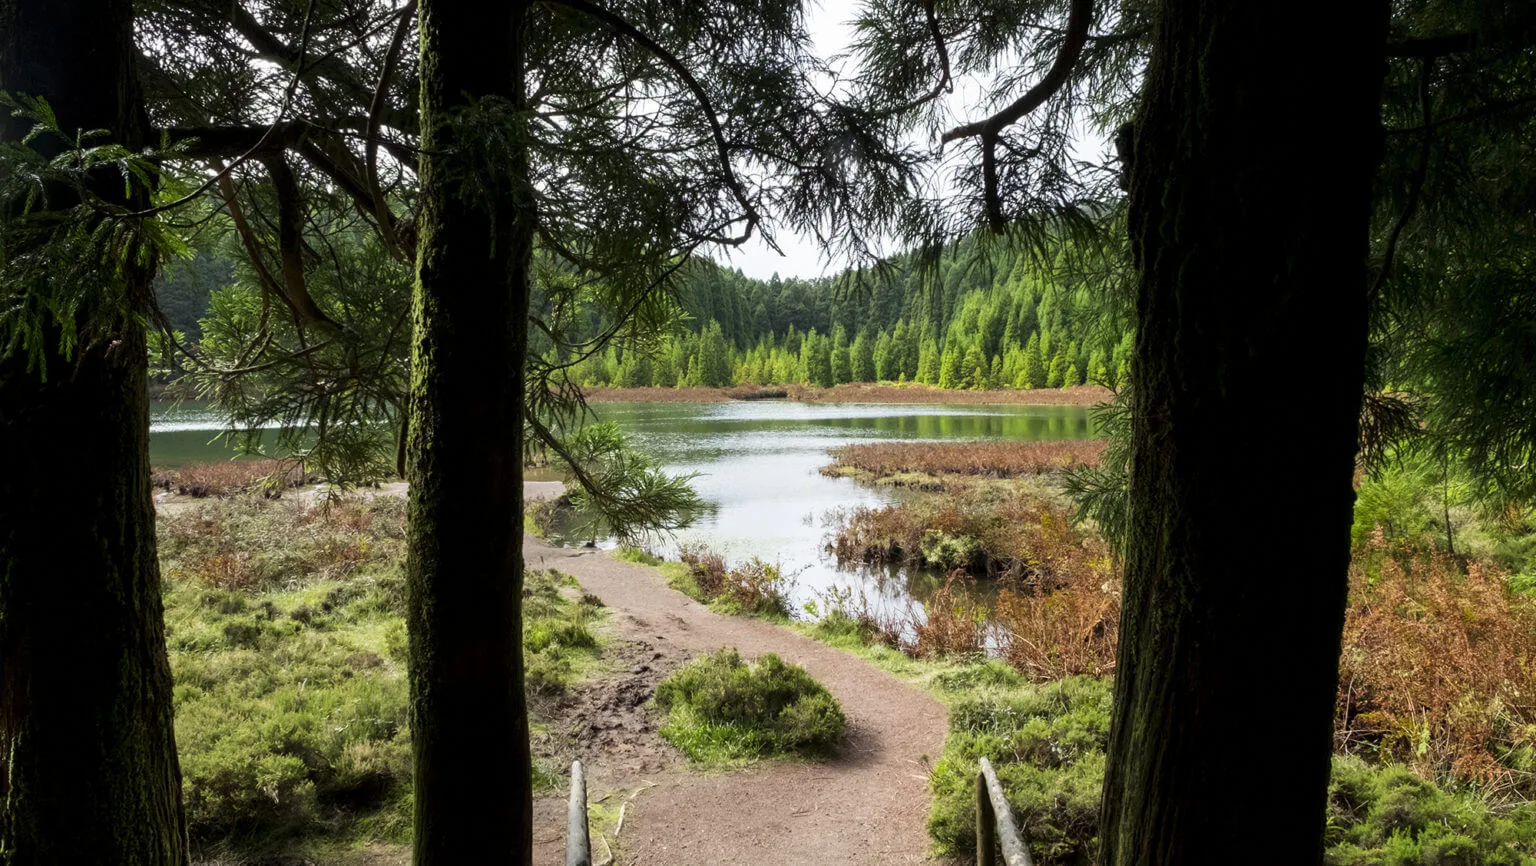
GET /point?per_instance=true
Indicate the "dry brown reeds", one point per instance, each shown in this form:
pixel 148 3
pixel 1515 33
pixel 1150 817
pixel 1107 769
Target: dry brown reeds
pixel 1072 630
pixel 753 587
pixel 983 459
pixel 229 477
pixel 1439 669
pixel 1020 538
pixel 954 621
pixel 756 392
pixel 654 395
pixel 244 543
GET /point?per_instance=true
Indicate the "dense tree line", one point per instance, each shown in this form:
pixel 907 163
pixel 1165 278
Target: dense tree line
pixel 979 320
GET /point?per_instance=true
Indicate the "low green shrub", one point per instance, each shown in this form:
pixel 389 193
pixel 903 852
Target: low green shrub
pixel 1047 743
pixel 720 710
pixel 639 556
pixel 1383 816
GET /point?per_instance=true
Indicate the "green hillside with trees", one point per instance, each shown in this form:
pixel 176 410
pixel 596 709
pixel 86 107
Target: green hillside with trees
pixel 976 320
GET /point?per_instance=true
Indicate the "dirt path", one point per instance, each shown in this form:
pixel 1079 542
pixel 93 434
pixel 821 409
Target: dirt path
pixel 868 806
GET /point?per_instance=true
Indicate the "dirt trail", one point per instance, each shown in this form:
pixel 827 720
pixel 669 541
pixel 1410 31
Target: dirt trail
pixel 868 806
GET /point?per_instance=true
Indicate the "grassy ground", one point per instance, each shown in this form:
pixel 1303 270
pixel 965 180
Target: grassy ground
pixel 288 649
pixel 1047 741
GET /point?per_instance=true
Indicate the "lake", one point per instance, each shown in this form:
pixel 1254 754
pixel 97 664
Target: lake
pixel 756 465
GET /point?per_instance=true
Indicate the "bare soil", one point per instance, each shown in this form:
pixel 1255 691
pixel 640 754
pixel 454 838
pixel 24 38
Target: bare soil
pixel 869 805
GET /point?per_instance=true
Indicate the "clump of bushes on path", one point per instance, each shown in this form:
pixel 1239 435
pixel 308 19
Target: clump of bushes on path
pixel 721 710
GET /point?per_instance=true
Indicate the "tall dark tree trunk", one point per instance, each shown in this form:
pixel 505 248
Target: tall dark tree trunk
pixel 88 770
pixel 469 717
pixel 1250 194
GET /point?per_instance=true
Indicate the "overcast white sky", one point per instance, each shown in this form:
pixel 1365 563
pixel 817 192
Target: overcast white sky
pixel 827 22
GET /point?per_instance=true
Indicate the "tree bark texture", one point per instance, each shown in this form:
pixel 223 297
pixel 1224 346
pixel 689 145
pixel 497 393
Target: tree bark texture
pixel 1250 189
pixel 88 769
pixel 469 716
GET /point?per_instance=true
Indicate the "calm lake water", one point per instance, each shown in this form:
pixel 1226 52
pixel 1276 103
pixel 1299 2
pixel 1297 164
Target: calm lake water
pixel 756 465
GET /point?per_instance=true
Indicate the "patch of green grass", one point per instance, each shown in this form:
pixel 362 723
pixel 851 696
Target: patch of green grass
pixel 1047 743
pixel 288 649
pixel 680 578
pixel 1387 815
pixel 636 555
pixel 722 711
pixel 559 646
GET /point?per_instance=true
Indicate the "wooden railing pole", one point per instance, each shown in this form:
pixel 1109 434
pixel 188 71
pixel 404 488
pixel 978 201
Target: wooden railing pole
pixel 986 824
pixel 578 844
pixel 988 788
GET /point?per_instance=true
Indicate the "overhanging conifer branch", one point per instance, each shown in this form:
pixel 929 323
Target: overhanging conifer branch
pixel 988 130
pixel 622 26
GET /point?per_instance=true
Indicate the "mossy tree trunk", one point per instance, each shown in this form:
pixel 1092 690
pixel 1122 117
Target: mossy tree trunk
pixel 469 717
pixel 1250 190
pixel 88 770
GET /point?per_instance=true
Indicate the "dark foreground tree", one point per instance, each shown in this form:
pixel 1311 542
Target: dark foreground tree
pixel 469 719
pixel 88 770
pixel 1250 194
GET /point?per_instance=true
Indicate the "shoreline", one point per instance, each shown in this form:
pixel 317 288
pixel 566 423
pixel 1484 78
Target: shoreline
pixel 858 392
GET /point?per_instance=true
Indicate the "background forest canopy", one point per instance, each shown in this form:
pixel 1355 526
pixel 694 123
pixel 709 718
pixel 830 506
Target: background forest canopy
pixel 980 319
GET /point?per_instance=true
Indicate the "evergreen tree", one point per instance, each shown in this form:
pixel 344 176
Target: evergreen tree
pixel 1034 364
pixel 841 366
pixel 806 368
pixel 861 359
pixel 882 359
pixel 974 369
pixel 951 373
pixel 820 369
pixel 1228 290
pixel 88 766
pixel 1057 375
pixel 664 369
pixel 928 362
pixel 714 366
pixel 905 351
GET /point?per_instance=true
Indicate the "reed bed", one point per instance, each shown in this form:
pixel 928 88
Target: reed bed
pixel 979 459
pixel 231 477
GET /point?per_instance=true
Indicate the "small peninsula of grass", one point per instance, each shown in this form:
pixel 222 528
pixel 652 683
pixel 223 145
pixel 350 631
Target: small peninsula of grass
pixel 722 711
